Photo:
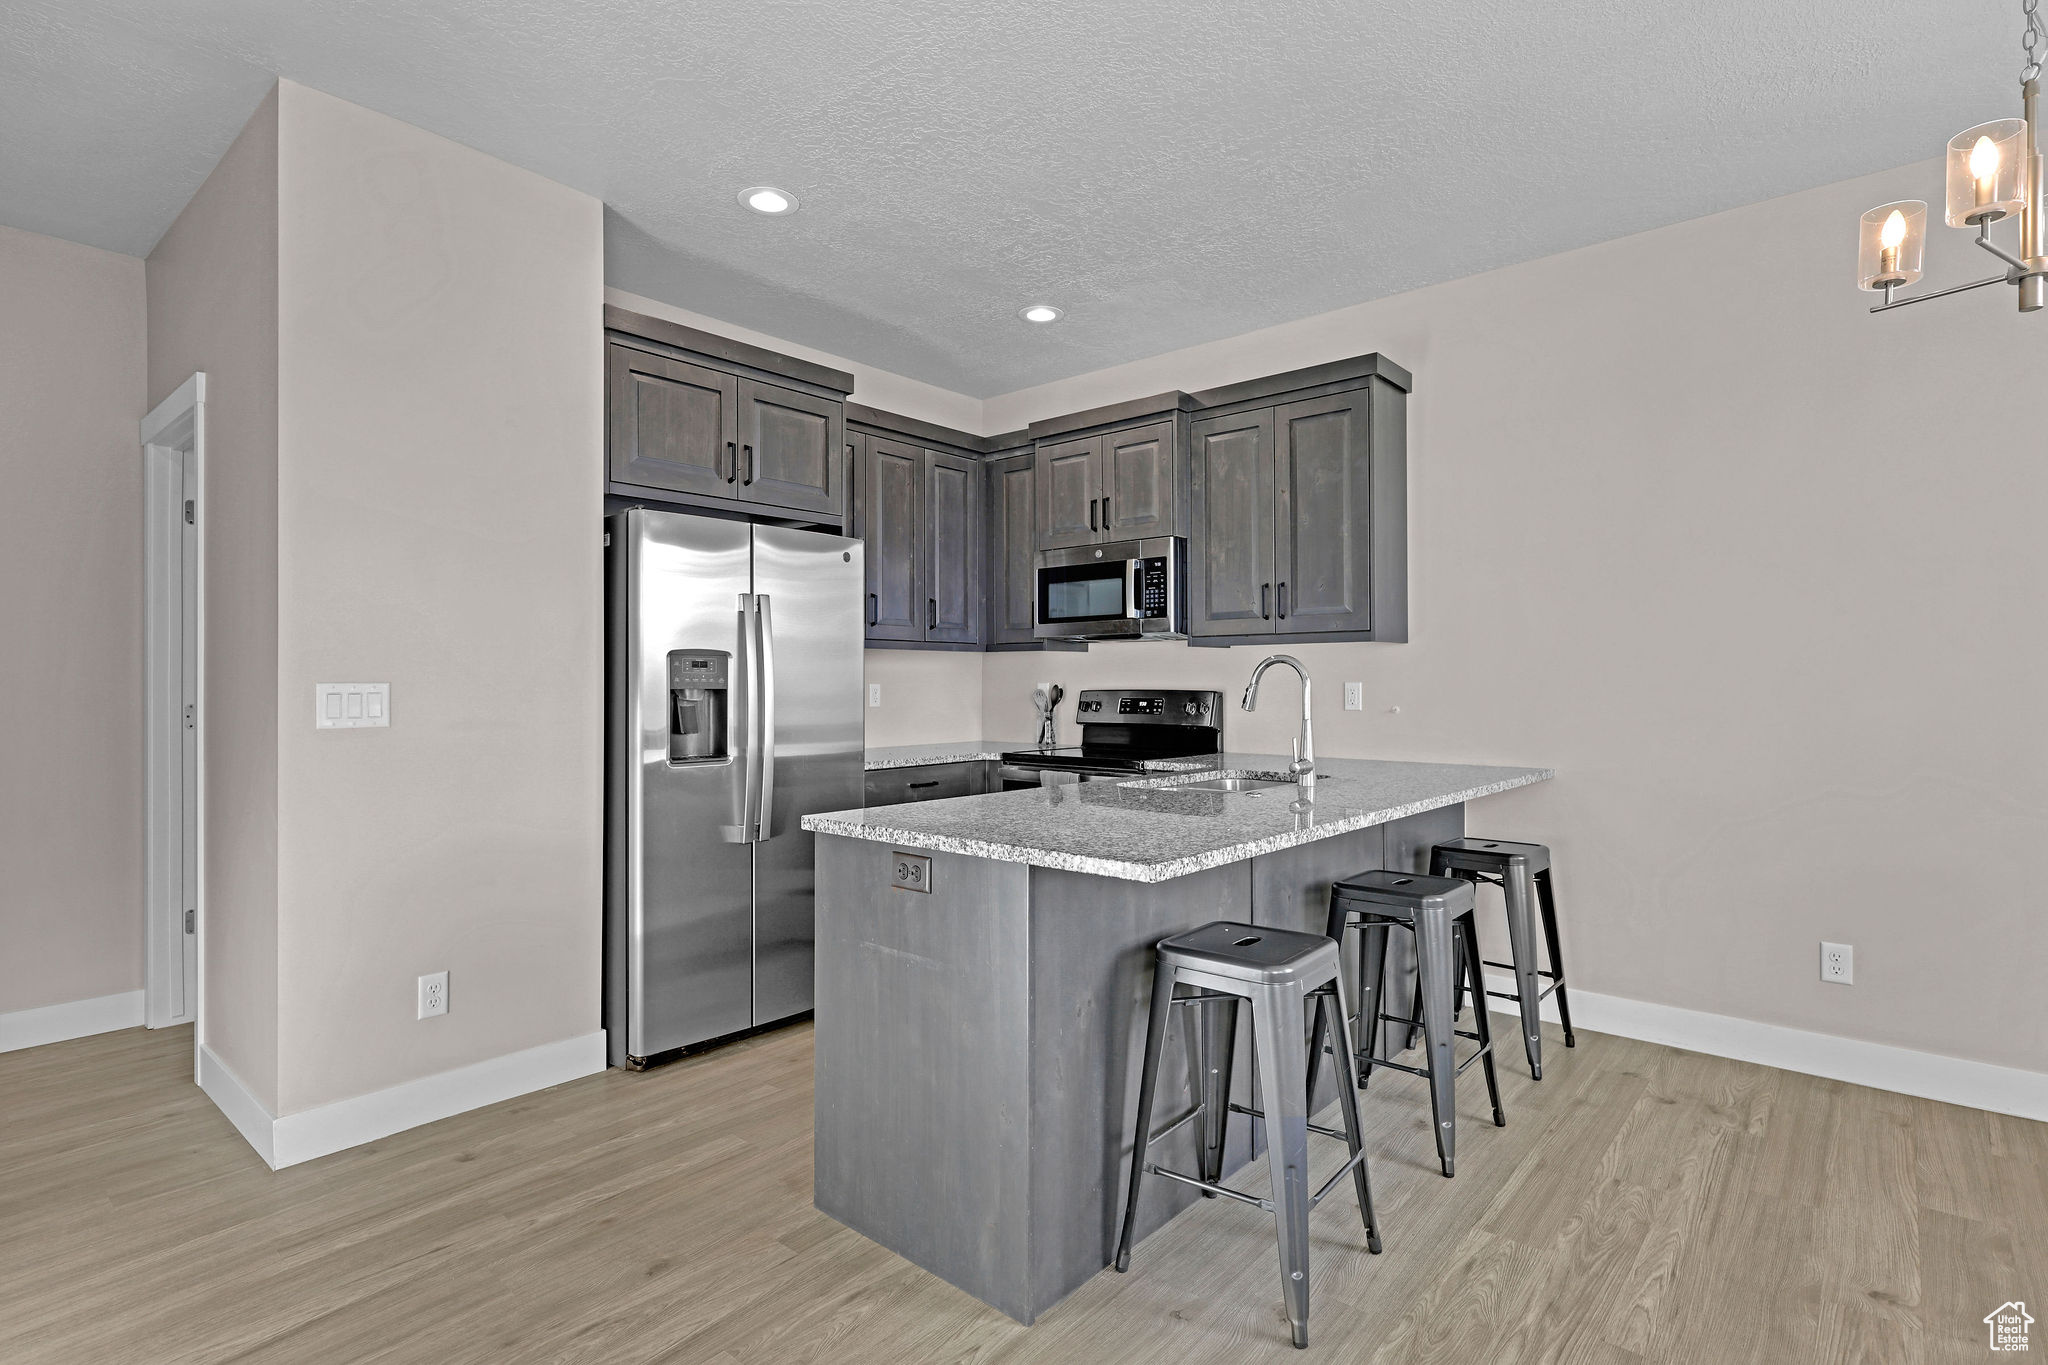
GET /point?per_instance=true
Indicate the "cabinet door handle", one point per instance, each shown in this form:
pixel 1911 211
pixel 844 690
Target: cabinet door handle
pixel 931 613
pixel 1105 511
pixel 874 609
pixel 1091 515
pixel 1283 600
pixel 1265 601
pixel 732 461
pixel 920 786
pixel 748 451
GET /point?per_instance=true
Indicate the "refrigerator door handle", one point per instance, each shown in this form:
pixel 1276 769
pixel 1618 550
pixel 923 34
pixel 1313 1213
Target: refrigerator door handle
pixel 764 656
pixel 746 753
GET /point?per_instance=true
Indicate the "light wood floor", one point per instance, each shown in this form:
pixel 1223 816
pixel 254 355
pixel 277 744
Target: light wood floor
pixel 1643 1204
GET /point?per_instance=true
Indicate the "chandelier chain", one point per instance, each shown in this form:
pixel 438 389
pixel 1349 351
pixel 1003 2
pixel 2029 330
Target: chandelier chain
pixel 2035 40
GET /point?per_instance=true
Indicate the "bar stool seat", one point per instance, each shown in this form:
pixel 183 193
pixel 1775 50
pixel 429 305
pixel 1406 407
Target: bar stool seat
pixel 1438 911
pixel 1522 872
pixel 1276 972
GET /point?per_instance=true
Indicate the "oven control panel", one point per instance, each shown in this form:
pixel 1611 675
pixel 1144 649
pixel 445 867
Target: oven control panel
pixel 1168 707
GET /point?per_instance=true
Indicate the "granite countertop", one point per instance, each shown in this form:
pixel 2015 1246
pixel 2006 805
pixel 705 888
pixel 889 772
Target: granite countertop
pixel 1150 829
pixel 959 751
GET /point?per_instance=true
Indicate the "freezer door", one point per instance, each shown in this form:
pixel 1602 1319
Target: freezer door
pixel 809 589
pixel 689 866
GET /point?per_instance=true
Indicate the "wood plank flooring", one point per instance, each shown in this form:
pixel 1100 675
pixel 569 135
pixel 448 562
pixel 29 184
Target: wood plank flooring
pixel 1644 1204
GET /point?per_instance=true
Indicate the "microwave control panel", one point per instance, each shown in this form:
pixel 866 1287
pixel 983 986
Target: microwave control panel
pixel 1152 587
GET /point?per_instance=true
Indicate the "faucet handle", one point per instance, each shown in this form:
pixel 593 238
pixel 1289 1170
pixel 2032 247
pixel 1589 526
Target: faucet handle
pixel 1297 749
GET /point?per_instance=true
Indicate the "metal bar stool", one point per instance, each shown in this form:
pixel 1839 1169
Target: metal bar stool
pixel 1276 972
pixel 1438 911
pixel 1522 872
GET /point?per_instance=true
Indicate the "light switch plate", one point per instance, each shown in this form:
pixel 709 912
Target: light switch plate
pixel 351 706
pixel 910 872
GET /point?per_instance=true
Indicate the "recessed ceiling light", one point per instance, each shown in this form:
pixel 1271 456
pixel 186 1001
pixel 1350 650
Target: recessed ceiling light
pixel 1039 312
pixel 769 200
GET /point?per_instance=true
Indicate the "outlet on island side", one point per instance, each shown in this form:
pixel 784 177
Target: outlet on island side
pixel 433 994
pixel 1838 963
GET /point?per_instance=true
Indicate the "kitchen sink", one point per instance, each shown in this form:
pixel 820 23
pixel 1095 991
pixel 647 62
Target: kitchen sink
pixel 1232 784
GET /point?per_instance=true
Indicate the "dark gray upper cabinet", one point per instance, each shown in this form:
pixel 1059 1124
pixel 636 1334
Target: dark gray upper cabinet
pixel 1012 549
pixel 1230 577
pixel 1322 516
pixel 1070 493
pixel 1141 478
pixel 717 422
pixel 1301 507
pixel 671 423
pixel 950 564
pixel 890 485
pixel 791 448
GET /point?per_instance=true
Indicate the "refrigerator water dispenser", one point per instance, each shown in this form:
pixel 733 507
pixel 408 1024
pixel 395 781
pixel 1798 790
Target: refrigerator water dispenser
pixel 697 692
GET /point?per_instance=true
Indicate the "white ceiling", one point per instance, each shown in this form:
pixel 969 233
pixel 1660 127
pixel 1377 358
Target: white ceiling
pixel 1167 171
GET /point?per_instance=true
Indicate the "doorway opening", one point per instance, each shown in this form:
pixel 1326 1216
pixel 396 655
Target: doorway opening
pixel 174 568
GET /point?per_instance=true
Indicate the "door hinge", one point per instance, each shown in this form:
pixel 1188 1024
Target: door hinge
pixel 191 713
pixel 189 520
pixel 192 921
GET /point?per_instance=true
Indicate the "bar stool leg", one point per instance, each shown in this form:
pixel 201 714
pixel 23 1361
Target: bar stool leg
pixel 1548 903
pixel 1520 896
pixel 1435 975
pixel 1354 1129
pixel 1467 934
pixel 1372 993
pixel 1278 1024
pixel 1148 1085
pixel 1218 1050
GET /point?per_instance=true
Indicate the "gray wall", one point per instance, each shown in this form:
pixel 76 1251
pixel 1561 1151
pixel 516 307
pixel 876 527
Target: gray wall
pixel 213 307
pixel 1760 574
pixel 71 390
pixel 439 466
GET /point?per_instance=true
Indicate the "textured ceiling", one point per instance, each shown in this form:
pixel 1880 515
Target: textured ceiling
pixel 1168 171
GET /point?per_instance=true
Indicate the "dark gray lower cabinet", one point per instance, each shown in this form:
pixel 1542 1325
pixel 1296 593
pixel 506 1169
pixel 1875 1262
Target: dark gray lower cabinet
pixel 1012 549
pixel 930 782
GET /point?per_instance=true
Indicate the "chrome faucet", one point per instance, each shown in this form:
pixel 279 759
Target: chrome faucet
pixel 1303 769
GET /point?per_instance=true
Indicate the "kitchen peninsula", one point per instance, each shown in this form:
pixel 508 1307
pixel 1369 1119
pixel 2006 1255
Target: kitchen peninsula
pixel 980 1030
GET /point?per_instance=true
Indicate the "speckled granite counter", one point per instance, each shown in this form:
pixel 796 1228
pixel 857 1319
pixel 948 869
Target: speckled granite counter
pixel 959 751
pixel 1151 830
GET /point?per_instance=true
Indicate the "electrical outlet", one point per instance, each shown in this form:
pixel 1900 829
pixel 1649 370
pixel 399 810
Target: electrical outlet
pixel 874 694
pixel 1838 963
pixel 433 994
pixel 910 872
pixel 1354 696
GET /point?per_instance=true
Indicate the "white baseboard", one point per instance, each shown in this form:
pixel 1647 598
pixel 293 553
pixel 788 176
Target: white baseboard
pixel 243 1109
pixel 72 1019
pixel 1904 1071
pixel 365 1118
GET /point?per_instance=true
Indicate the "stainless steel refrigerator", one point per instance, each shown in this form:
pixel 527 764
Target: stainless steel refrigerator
pixel 733 709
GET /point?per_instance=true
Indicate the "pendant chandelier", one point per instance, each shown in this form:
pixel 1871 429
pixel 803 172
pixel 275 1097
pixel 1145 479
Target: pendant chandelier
pixel 1995 171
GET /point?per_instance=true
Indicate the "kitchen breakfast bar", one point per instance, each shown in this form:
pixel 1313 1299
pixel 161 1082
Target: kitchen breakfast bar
pixel 980 1020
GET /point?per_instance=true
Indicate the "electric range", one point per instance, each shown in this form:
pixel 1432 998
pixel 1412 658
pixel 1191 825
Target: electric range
pixel 1122 731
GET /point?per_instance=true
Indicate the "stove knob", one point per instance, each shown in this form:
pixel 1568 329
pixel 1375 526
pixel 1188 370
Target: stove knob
pixel 1194 708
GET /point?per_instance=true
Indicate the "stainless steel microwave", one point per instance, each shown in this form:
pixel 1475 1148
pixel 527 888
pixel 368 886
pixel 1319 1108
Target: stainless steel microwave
pixel 1123 590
